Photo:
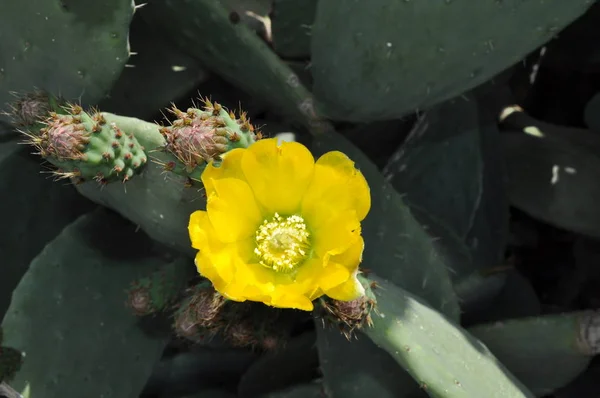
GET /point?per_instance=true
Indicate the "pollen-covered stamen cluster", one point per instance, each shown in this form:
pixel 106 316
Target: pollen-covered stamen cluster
pixel 282 243
pixel 199 136
pixel 86 147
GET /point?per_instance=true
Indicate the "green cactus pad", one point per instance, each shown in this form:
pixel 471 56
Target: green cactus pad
pixel 394 243
pixel 446 360
pixel 68 313
pixel 384 59
pixel 73 47
pixel 291 24
pixel 34 210
pixel 544 352
pixel 86 147
pixel 198 136
pixel 237 54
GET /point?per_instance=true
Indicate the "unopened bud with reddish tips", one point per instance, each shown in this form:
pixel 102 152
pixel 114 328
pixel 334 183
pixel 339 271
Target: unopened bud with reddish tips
pixel 197 137
pixel 206 305
pixel 30 109
pixel 351 315
pixel 186 328
pixel 199 315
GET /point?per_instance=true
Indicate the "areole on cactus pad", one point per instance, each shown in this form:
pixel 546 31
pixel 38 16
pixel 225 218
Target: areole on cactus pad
pixel 281 228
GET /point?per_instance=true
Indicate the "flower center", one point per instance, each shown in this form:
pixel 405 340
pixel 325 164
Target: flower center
pixel 282 243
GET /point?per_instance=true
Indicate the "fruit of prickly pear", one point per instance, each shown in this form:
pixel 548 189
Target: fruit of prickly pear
pixel 197 137
pixel 85 147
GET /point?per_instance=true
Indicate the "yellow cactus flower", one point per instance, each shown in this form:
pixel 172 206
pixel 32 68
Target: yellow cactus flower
pixel 280 228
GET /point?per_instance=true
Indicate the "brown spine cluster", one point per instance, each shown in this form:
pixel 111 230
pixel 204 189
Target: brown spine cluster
pixel 199 317
pixel 349 316
pixel 205 314
pixel 30 108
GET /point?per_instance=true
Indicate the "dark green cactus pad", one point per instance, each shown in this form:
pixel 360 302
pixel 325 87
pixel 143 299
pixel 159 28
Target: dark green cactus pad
pixel 394 243
pixel 69 314
pixel 445 359
pixel 160 74
pixel 439 168
pixel 202 369
pixel 291 22
pixel 450 168
pixel 34 210
pixel 488 236
pixel 236 53
pixel 308 390
pixel 553 173
pixel 380 60
pixel 293 364
pixel 73 47
pixel 545 352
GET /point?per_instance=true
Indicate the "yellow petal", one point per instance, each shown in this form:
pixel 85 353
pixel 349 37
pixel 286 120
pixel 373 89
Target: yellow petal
pixel 315 275
pixel 333 275
pixel 201 231
pixel 229 167
pixel 347 291
pixel 232 210
pixel 352 257
pixel 296 301
pixel 206 269
pixel 336 186
pixel 224 265
pixel 278 175
pixel 336 234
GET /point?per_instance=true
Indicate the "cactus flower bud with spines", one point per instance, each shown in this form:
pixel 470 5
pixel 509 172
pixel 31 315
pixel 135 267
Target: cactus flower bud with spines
pixel 353 315
pixel 198 136
pixel 85 147
pixel 199 316
pixel 30 109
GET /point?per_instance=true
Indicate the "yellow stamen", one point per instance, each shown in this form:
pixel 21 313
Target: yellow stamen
pixel 282 243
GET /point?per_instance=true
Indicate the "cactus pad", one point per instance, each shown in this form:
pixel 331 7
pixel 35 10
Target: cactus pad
pixel 400 56
pixel 73 47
